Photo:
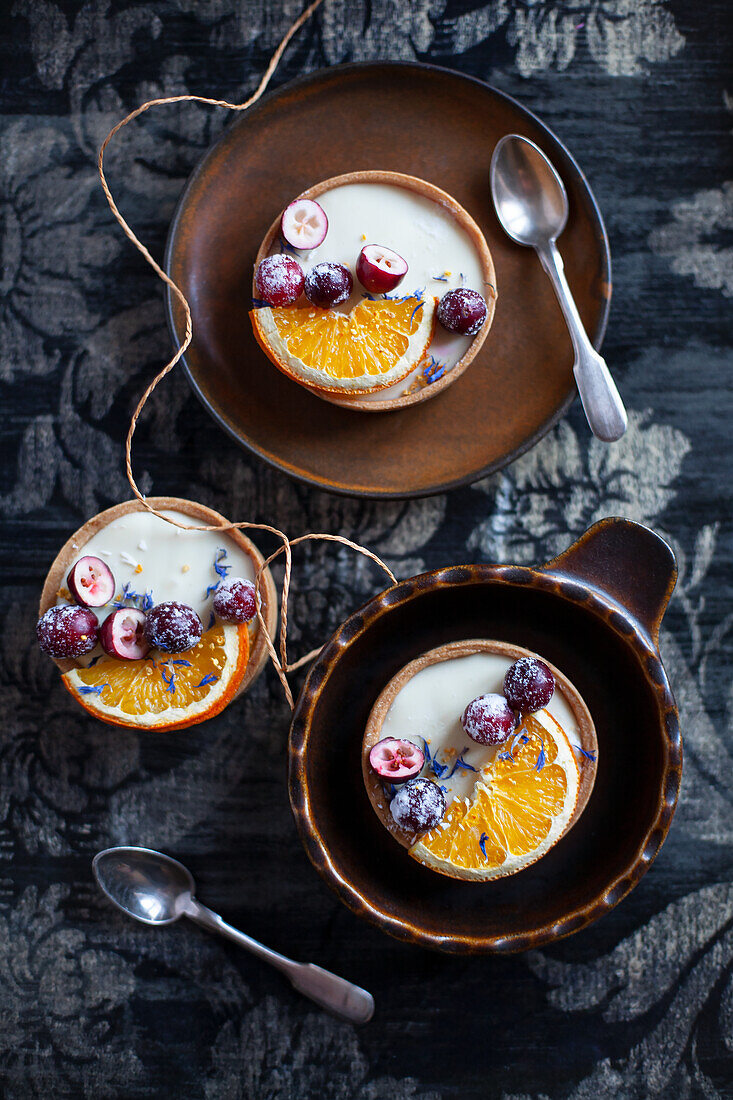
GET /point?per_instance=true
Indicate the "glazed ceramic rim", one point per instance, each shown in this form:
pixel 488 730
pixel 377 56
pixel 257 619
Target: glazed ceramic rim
pixel 449 651
pixel 56 577
pixel 273 460
pixel 613 617
pixel 461 216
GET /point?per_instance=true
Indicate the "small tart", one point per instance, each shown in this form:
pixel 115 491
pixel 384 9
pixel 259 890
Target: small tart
pixel 428 714
pixel 252 649
pixel 409 387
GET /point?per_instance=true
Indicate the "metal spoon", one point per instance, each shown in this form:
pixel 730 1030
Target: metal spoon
pixel 156 889
pixel 532 205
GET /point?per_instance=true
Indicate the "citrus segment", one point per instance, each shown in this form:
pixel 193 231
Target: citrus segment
pixel 521 804
pixel 375 345
pixel 166 690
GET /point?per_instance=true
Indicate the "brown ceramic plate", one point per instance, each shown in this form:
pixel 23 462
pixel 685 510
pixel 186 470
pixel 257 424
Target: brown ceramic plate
pixel 427 122
pixel 594 612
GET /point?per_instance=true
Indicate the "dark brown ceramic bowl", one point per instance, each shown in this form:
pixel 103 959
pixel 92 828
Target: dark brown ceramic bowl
pixel 595 612
pixel 426 122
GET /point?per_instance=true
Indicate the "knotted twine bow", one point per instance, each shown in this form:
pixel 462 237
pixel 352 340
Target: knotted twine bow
pixel 280 662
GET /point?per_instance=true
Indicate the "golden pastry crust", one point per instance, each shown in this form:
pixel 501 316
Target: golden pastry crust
pixel 199 514
pixel 466 222
pixel 450 651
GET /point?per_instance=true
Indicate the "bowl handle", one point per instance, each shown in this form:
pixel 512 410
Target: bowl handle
pixel 626 561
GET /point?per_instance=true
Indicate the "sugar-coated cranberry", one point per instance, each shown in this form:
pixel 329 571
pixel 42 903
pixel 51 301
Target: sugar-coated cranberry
pixel 418 805
pixel 528 685
pixel 489 719
pixel 328 284
pixel 67 631
pixel 396 760
pixel 279 280
pixel 235 600
pixel 462 311
pixel 173 627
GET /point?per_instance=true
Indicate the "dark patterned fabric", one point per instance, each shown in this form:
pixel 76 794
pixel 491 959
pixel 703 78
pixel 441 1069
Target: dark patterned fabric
pixel 91 1005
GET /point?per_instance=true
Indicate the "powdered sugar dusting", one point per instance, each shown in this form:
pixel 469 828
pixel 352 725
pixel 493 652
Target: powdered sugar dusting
pixel 279 279
pixel 235 600
pixel 488 719
pixel 173 627
pixel 67 631
pixel 329 267
pixel 529 685
pixel 328 284
pixel 418 805
pixel 279 269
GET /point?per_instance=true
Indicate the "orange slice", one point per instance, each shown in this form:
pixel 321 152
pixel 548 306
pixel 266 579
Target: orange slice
pixel 375 345
pixel 521 805
pixel 165 691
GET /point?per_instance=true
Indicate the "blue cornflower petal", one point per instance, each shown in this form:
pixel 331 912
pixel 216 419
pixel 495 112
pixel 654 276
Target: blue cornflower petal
pixel 209 679
pixel 92 690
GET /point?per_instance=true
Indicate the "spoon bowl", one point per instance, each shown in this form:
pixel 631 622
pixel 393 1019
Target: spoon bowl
pixel 530 198
pixel 147 885
pixel 532 206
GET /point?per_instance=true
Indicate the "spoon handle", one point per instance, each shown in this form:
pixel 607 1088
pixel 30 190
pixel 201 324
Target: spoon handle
pixel 601 400
pixel 349 1002
pixel 343 999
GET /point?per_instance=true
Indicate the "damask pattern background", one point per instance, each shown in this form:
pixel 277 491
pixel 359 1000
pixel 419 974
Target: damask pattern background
pixel 640 1004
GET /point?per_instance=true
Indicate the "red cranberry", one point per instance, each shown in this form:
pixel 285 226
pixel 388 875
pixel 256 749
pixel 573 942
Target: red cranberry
pixel 304 224
pixel 418 805
pixel 90 582
pixel 123 634
pixel 328 285
pixel 462 311
pixel 396 760
pixel 528 685
pixel 489 720
pixel 67 631
pixel 379 269
pixel 279 280
pixel 235 600
pixel 173 627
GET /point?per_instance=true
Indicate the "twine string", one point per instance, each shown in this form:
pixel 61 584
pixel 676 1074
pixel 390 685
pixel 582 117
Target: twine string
pixel 324 538
pixel 280 660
